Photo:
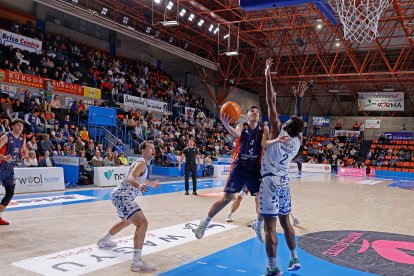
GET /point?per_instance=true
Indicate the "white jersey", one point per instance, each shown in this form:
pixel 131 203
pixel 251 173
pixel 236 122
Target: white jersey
pixel 126 189
pixel 277 157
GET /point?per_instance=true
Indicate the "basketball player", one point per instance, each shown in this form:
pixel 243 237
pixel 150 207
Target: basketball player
pixel 12 150
pixel 123 197
pixel 245 169
pixel 274 201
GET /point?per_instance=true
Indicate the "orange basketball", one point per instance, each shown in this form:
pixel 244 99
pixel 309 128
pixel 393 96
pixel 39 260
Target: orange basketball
pixel 232 109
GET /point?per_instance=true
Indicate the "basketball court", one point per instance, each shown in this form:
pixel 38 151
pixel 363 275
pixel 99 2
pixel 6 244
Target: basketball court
pixel 346 226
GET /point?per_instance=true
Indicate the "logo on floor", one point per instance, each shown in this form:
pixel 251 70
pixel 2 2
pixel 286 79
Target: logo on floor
pixel 89 258
pixel 37 201
pixel 363 250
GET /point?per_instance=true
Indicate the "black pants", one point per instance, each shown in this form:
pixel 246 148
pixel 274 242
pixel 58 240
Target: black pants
pixel 299 167
pixel 193 168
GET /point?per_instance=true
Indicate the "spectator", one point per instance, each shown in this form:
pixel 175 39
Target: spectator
pixel 31 160
pixel 45 145
pixel 32 145
pixel 79 145
pixel 90 151
pixel 5 126
pixel 122 158
pixel 84 134
pixel 97 160
pixel 117 162
pixel 58 150
pixel 85 168
pixel 32 122
pixel 338 126
pixel 208 168
pixel 109 160
pixel 66 150
pixel 362 130
pixel 403 128
pixel 356 126
pixel 8 111
pixel 47 161
pixel 56 106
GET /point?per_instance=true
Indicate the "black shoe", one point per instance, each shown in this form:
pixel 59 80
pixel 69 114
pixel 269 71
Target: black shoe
pixel 194 193
pixel 187 193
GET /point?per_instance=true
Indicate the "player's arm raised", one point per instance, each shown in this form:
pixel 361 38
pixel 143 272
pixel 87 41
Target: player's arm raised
pixel 235 132
pixel 137 171
pixel 298 93
pixel 271 102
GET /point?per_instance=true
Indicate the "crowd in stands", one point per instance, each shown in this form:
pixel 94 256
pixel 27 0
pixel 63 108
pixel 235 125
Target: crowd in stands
pixel 51 129
pixel 339 151
pixel 395 155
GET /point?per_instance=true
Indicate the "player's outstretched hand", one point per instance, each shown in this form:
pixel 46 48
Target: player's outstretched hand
pixel 225 119
pixel 155 184
pixel 301 89
pixel 269 63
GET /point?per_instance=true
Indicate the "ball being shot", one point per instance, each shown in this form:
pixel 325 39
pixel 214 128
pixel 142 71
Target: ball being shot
pixel 231 109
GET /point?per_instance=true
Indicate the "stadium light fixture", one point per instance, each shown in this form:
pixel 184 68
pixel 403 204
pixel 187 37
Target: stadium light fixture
pixel 232 53
pixel 191 17
pixel 200 23
pixel 216 30
pixel 157 1
pixel 170 5
pixel 210 29
pixel 104 11
pixel 125 20
pixel 75 1
pixel 183 11
pixel 226 36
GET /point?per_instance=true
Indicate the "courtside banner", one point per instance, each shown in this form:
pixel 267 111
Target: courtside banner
pixel 91 92
pixel 381 101
pixel 135 102
pixel 21 79
pixel 32 180
pixel 407 136
pixel 355 172
pixel 70 88
pixel 347 133
pixel 70 165
pixel 157 106
pixel 320 168
pixel 20 41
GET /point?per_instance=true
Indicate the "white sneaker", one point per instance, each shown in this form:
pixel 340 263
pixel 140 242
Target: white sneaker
pixel 229 219
pixel 296 222
pixel 259 231
pixel 201 228
pixel 106 243
pixel 142 266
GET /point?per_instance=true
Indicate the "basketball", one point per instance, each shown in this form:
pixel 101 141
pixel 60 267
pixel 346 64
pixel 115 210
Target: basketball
pixel 232 109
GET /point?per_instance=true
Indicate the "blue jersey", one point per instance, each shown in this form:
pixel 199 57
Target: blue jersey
pixel 13 148
pixel 249 150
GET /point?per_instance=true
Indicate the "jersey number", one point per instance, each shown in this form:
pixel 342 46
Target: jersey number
pixel 285 156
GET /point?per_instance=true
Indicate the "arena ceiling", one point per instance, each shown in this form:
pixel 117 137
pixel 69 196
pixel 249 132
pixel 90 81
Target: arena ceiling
pixel 337 66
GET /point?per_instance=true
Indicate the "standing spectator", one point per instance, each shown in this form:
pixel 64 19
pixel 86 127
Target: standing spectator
pixel 362 130
pixel 191 154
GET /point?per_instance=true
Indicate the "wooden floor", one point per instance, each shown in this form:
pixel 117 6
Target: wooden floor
pixel 322 202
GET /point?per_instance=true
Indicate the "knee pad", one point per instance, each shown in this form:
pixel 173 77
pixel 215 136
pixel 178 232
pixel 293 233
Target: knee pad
pixel 8 196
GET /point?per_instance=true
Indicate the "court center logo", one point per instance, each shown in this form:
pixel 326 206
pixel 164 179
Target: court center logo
pixel 363 250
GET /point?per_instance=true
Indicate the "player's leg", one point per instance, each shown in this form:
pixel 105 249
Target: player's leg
pixel 214 210
pixel 254 187
pixel 8 182
pixel 236 204
pixel 106 241
pixel 283 193
pixel 141 224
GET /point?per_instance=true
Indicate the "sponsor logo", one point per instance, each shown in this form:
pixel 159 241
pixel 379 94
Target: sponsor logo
pixel 38 201
pixel 363 250
pixel 117 176
pixel 37 180
pixel 90 258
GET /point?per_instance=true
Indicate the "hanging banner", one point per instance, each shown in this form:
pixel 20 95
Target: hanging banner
pixel 70 88
pixel 347 133
pixel 135 102
pixel 91 92
pixel 157 106
pixel 21 79
pixel 372 123
pixel 407 136
pixel 20 41
pixel 382 101
pixel 189 112
pixel 320 121
pixel 70 165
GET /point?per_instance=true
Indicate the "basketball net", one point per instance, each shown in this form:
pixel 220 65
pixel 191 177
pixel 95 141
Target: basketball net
pixel 360 18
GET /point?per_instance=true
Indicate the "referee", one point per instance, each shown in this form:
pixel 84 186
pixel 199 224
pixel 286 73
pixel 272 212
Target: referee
pixel 191 154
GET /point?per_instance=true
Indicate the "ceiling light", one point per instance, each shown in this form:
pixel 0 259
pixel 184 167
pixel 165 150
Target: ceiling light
pixel 319 26
pixel 125 20
pixel 183 11
pixel 185 45
pixel 200 23
pixel 191 17
pixel 170 23
pixel 104 11
pixel 216 30
pixel 157 1
pixel 75 1
pixel 233 53
pixel 170 4
pixel 171 39
pixel 211 28
pixel 226 36
pixel 148 30
pixel 337 44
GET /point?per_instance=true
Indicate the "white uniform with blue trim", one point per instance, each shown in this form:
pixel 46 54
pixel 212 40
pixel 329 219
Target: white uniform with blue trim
pixel 123 196
pixel 274 196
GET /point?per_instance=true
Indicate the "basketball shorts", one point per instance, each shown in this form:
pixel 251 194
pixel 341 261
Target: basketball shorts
pixel 125 206
pixel 274 196
pixel 239 178
pixel 7 178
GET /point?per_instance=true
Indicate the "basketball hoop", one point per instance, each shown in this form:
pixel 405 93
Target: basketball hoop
pixel 360 18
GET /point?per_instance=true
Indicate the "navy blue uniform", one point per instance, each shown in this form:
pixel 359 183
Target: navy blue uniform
pixel 13 148
pixel 245 169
